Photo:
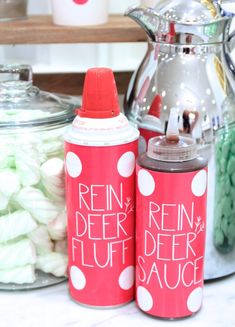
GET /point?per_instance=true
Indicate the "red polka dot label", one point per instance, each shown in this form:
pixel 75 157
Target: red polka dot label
pixel 194 301
pixel 146 183
pixel 100 207
pixel 73 165
pixel 126 164
pixel 77 277
pixel 170 241
pixel 126 278
pixel 144 299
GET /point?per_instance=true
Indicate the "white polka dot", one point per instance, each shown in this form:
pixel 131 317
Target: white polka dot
pixel 73 165
pixel 144 299
pixel 146 182
pixel 126 278
pixel 126 164
pixel 142 146
pixel 199 183
pixel 77 278
pixel 195 300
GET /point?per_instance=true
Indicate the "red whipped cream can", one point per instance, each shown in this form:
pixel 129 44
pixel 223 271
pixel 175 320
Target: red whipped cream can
pixel 170 226
pixel 100 153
